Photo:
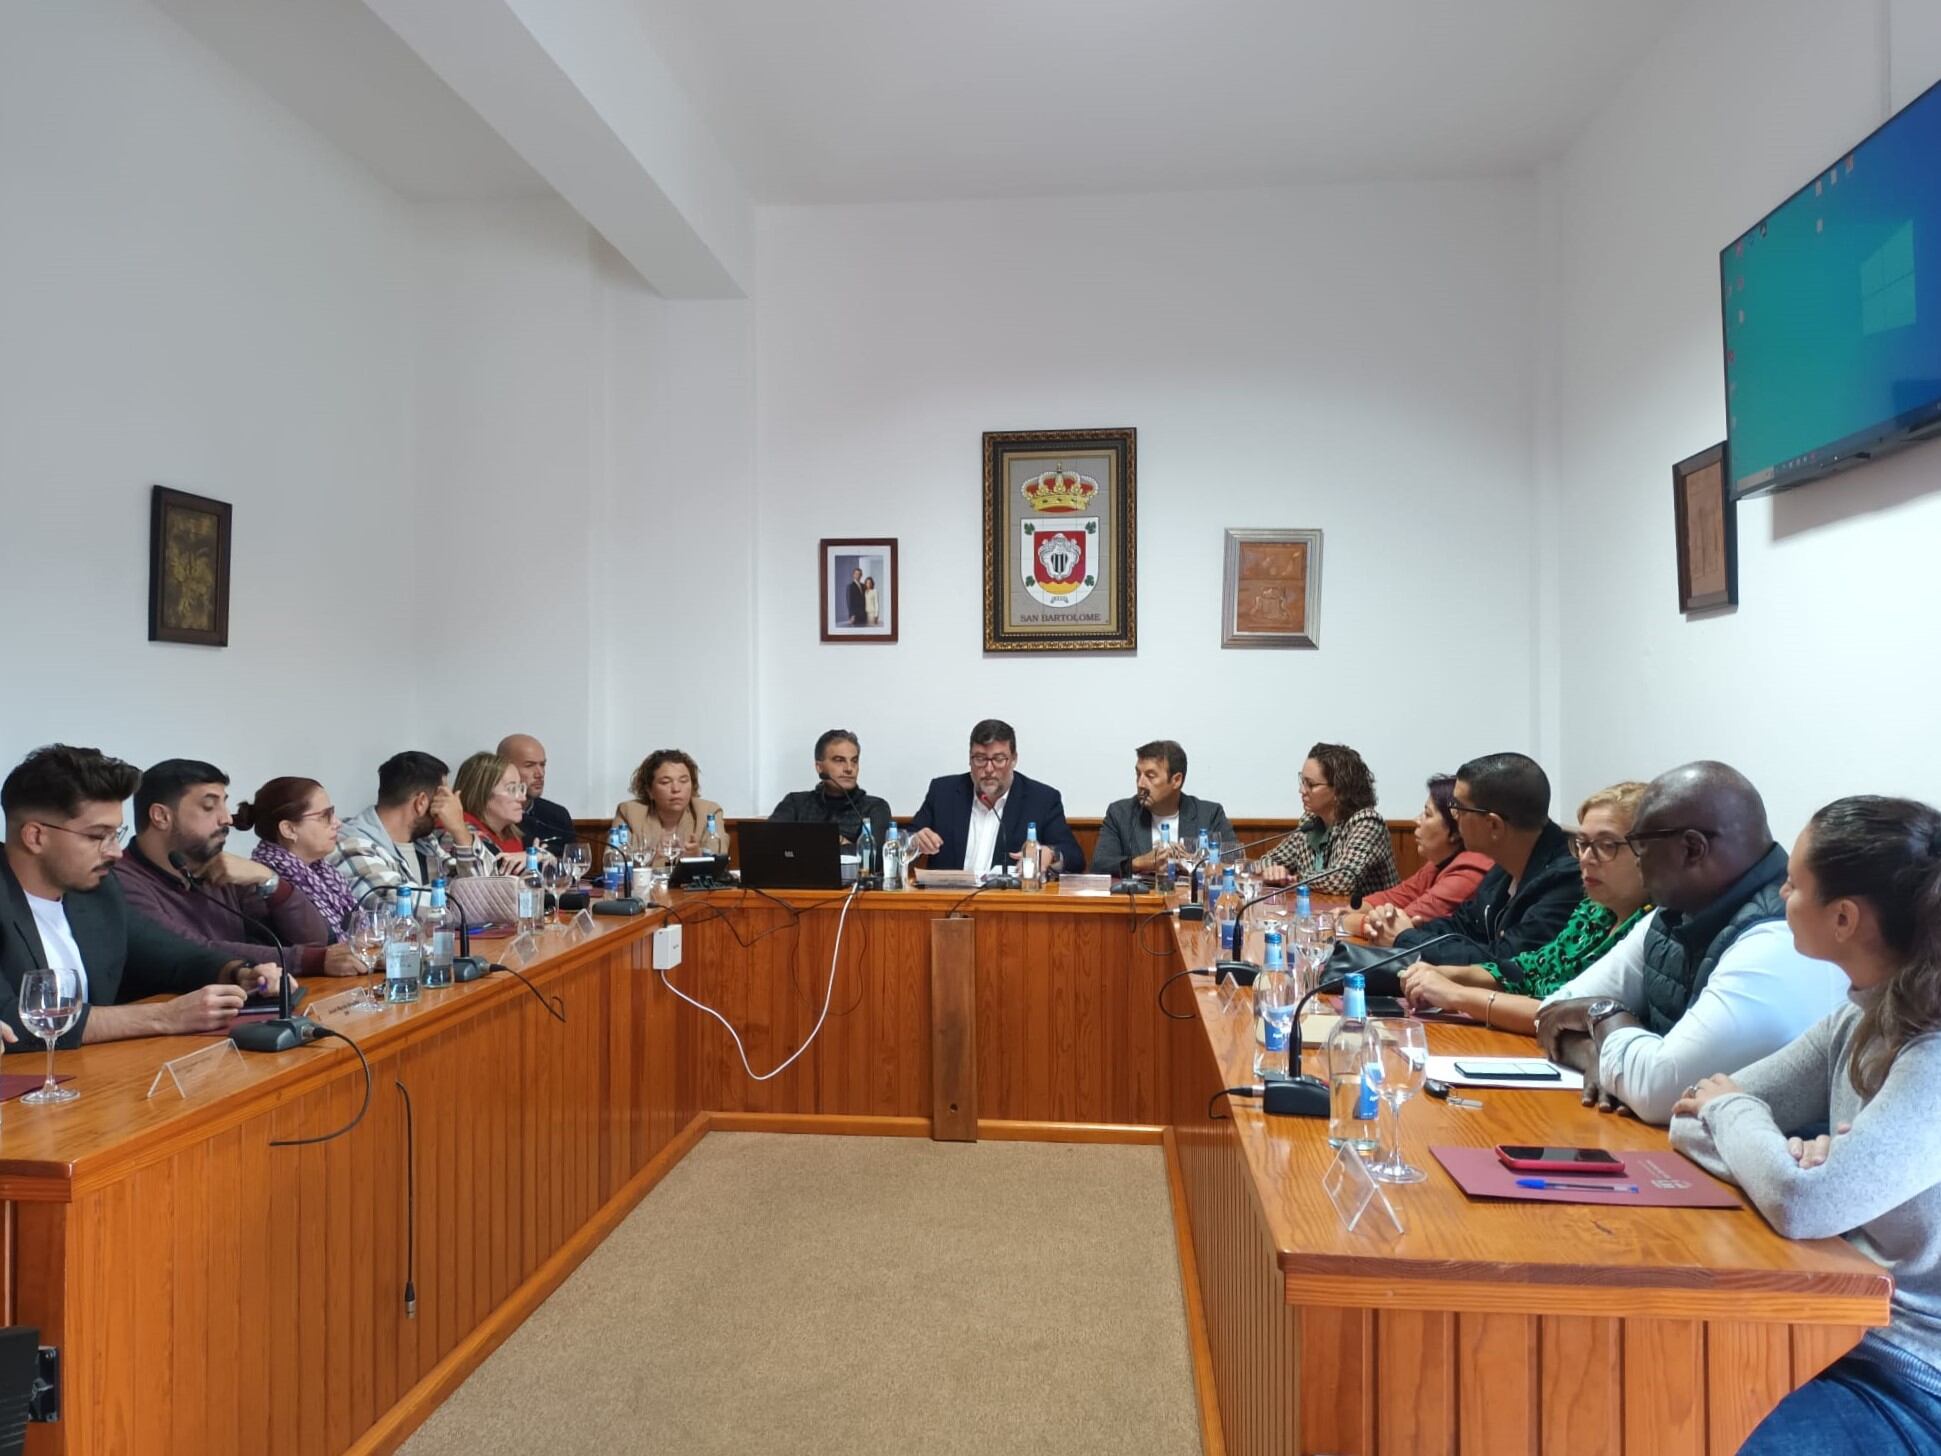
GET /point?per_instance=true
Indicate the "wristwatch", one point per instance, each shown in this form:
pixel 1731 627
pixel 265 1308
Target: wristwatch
pixel 1602 1009
pixel 269 887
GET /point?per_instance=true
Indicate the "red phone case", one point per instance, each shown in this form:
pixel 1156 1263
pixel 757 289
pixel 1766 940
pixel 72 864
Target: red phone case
pixel 1537 1165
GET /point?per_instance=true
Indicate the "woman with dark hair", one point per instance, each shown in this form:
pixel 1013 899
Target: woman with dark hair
pixel 1342 839
pixel 666 801
pixel 1863 890
pixel 296 828
pixel 1449 874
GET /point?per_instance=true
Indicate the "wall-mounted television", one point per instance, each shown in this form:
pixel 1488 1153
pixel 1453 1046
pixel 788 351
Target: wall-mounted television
pixel 1832 308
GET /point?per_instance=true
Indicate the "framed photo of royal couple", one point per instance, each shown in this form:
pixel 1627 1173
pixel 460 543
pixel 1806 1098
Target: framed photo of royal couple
pixel 859 591
pixel 1061 541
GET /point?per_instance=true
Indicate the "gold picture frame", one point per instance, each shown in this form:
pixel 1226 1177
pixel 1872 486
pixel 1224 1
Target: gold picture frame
pixel 1061 550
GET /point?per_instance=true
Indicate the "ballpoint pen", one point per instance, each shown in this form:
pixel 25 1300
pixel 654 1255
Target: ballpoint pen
pixel 1554 1184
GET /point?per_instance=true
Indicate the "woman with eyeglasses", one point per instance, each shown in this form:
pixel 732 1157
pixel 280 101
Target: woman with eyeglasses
pixel 493 795
pixel 1449 874
pixel 1863 890
pixel 1507 997
pixel 296 829
pixel 1341 846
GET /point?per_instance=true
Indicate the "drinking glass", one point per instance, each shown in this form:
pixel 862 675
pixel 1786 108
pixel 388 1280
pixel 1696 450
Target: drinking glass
pixel 364 933
pixel 576 859
pixel 50 1000
pixel 1403 1046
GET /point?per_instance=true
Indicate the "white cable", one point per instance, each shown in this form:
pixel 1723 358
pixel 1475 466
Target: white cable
pixel 828 995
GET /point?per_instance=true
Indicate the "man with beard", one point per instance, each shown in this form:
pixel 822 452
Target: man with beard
pixel 178 874
pixel 61 908
pixel 395 841
pixel 977 821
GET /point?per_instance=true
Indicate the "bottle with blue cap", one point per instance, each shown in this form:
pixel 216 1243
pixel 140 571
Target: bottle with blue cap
pixel 1354 1073
pixel 1273 1009
pixel 1028 876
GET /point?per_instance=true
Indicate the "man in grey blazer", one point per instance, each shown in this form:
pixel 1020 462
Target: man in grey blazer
pixel 1128 836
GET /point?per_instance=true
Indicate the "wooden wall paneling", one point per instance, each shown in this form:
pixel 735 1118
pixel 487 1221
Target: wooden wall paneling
pixel 1498 1365
pixel 953 1037
pixel 188 1314
pixel 1664 1387
pixel 1581 1385
pixel 258 1332
pixel 1415 1383
pixel 1817 1346
pixel 1749 1370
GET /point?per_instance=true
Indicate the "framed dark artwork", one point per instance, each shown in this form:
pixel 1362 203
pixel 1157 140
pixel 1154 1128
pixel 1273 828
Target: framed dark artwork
pixel 188 568
pixel 1272 589
pixel 859 591
pixel 1061 541
pixel 1708 532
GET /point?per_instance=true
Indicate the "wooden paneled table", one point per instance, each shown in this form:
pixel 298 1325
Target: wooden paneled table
pixel 1485 1327
pixel 212 1293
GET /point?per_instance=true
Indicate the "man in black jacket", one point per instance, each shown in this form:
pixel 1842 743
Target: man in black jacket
pixel 978 820
pixel 836 799
pixel 60 908
pixel 1502 803
pixel 545 824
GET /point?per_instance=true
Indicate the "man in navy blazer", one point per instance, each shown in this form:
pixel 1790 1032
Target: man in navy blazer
pixel 976 820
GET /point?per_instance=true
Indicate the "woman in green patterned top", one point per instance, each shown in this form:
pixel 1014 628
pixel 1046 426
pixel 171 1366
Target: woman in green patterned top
pixel 1507 997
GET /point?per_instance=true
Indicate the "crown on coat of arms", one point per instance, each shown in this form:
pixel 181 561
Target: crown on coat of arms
pixel 1060 490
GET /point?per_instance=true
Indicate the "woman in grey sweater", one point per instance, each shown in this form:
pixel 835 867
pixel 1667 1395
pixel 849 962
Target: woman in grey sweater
pixel 1863 891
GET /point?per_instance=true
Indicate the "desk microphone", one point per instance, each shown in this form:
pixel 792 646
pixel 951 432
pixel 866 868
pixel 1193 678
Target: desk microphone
pixel 1237 968
pixel 1303 1095
pixel 286 1030
pixel 862 815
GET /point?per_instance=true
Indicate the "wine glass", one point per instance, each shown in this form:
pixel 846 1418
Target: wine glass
pixel 50 1000
pixel 575 859
pixel 1403 1046
pixel 364 934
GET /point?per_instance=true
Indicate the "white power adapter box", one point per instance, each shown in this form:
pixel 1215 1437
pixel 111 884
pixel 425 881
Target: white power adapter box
pixel 667 947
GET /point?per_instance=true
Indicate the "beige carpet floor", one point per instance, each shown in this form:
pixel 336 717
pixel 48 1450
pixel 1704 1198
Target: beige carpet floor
pixel 797 1294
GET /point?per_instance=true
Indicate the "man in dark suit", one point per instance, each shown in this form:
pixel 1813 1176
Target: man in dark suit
pixel 546 824
pixel 976 821
pixel 1126 844
pixel 858 602
pixel 61 908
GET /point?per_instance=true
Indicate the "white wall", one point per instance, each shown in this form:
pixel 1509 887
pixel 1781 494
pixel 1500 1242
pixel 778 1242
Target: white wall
pixel 1822 682
pixel 1355 358
pixel 195 291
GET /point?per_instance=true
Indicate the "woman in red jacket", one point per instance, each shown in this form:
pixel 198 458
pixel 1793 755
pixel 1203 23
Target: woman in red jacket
pixel 1449 873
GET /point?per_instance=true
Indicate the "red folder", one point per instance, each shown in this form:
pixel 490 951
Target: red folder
pixel 1663 1179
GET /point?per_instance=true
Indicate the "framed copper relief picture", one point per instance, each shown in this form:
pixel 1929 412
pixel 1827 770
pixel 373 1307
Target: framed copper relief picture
pixel 188 568
pixel 1272 595
pixel 1061 541
pixel 1708 532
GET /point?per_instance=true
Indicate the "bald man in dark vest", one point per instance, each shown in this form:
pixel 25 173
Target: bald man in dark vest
pixel 1711 981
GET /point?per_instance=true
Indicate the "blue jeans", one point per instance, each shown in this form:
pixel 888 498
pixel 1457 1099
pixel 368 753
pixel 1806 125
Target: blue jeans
pixel 1873 1401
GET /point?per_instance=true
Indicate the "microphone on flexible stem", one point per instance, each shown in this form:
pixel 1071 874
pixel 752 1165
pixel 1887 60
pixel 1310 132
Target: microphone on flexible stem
pixel 1303 1095
pixel 862 811
pixel 284 1032
pixel 1237 968
pixel 465 965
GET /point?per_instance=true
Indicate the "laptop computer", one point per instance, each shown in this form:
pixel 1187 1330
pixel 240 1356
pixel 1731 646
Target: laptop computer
pixel 791 856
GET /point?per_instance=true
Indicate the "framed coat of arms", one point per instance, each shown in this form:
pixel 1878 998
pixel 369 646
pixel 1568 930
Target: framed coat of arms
pixel 1061 541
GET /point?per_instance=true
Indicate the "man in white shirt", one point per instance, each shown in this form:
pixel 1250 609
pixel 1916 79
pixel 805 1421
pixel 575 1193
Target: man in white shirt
pixel 979 820
pixel 60 908
pixel 1710 982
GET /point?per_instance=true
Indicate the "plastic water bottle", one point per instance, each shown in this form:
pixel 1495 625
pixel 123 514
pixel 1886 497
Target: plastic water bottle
pixel 404 951
pixel 441 935
pixel 1273 1010
pixel 1302 905
pixel 613 868
pixel 1226 912
pixel 1354 1073
pixel 1198 887
pixel 892 858
pixel 1168 870
pixel 713 841
pixel 532 887
pixel 865 851
pixel 1028 876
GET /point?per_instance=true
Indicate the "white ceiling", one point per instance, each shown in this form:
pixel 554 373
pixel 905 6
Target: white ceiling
pixel 892 100
pixel 344 71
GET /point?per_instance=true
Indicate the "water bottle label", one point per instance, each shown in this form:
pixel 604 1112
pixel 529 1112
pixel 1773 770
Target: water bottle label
pixel 527 909
pixel 441 945
pixel 1277 1026
pixel 396 966
pixel 1366 1102
pixel 1226 935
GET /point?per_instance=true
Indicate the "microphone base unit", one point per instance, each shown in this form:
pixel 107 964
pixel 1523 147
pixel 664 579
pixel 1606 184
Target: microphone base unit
pixel 623 905
pixel 281 1034
pixel 468 968
pixel 1294 1097
pixel 1240 973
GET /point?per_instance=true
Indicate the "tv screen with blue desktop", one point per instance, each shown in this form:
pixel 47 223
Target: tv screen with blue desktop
pixel 1832 309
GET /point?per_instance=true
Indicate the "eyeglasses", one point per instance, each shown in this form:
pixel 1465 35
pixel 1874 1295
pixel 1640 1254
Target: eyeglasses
pixel 329 811
pixel 1457 806
pixel 515 790
pixel 989 760
pixel 1310 785
pixel 1593 851
pixel 1636 842
pixel 99 838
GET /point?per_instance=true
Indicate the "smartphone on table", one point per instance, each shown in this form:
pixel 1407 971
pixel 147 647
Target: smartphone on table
pixel 1529 1159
